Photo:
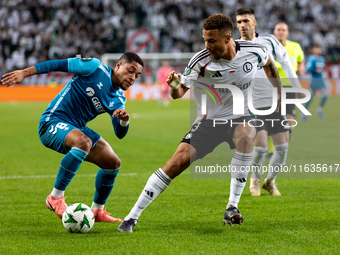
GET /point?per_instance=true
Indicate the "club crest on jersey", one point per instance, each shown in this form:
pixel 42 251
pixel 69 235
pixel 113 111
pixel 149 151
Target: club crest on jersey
pixel 247 67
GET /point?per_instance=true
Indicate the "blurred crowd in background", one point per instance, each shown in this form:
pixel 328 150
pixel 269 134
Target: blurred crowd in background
pixel 39 30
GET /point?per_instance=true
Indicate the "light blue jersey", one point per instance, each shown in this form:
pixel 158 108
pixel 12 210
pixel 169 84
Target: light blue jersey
pixel 89 93
pixel 314 63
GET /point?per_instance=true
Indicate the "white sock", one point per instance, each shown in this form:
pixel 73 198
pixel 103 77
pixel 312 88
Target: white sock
pixel 95 206
pixel 56 193
pixel 240 163
pixel 258 158
pixel 156 184
pixel 277 161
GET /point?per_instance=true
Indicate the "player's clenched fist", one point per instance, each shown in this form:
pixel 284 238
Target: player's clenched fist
pixel 121 114
pixel 174 80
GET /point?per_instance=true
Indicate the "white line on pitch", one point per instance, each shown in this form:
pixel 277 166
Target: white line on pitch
pixel 53 176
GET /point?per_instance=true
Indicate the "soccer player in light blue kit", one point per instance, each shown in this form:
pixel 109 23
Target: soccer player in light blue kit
pixel 94 89
pixel 316 66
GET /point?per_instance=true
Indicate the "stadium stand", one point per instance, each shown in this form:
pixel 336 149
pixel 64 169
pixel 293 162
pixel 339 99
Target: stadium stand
pixel 39 30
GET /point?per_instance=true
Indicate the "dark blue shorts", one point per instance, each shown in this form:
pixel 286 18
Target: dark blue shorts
pixel 53 133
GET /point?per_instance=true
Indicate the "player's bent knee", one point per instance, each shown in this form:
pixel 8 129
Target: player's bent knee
pixel 84 143
pixel 113 163
pixel 243 142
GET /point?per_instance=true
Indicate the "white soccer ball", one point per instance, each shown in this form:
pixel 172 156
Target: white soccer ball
pixel 78 218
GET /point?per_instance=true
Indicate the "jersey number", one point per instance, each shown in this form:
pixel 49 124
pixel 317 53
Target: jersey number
pixel 54 130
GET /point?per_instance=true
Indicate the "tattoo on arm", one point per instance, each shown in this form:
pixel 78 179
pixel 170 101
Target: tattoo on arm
pixel 272 73
pixel 273 70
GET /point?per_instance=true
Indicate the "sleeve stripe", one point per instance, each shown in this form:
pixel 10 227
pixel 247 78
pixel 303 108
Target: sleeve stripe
pixel 197 60
pixel 270 36
pixel 254 46
pixel 275 39
pixel 197 56
pixel 247 44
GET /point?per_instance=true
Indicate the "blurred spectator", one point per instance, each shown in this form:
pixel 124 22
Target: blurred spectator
pixel 37 30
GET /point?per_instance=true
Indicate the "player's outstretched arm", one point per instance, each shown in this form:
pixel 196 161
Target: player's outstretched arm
pixel 177 89
pixel 120 122
pixel 15 77
pixel 273 75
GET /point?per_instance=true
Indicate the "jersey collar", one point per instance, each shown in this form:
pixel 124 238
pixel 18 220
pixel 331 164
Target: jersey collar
pixel 256 35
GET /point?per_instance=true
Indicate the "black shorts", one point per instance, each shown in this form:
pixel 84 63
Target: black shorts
pixel 273 123
pixel 204 137
pixel 290 108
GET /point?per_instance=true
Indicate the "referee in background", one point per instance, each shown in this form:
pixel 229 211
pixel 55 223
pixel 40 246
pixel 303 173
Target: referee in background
pixel 296 57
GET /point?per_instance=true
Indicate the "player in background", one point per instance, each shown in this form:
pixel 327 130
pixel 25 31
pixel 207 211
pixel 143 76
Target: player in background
pixel 296 57
pixel 262 100
pixel 223 61
pixel 162 76
pixel 316 66
pixel 94 89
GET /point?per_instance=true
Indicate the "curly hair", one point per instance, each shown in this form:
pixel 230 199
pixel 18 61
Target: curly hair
pixel 219 21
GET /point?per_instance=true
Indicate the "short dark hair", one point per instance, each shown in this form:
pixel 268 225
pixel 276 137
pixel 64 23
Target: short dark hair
pixel 243 11
pixel 128 57
pixel 219 21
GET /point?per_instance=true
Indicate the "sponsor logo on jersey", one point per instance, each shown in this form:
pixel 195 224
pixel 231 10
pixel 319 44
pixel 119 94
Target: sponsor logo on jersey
pixel 90 91
pixel 217 74
pixel 98 105
pixel 111 104
pixel 247 67
pixel 95 100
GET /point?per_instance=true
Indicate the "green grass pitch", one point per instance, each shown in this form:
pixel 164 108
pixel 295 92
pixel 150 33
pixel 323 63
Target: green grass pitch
pixel 187 217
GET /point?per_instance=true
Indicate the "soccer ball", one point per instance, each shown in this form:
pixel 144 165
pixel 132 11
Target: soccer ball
pixel 78 218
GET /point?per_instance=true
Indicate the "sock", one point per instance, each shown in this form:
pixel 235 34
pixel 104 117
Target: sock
pixel 95 206
pixel 278 159
pixel 56 193
pixel 258 158
pixel 323 101
pixel 156 184
pixel 68 167
pixel 271 147
pixel 240 165
pixel 105 180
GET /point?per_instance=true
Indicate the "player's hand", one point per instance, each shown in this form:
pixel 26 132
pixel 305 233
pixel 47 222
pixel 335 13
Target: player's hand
pixel 300 95
pixel 11 78
pixel 319 70
pixel 121 114
pixel 173 81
